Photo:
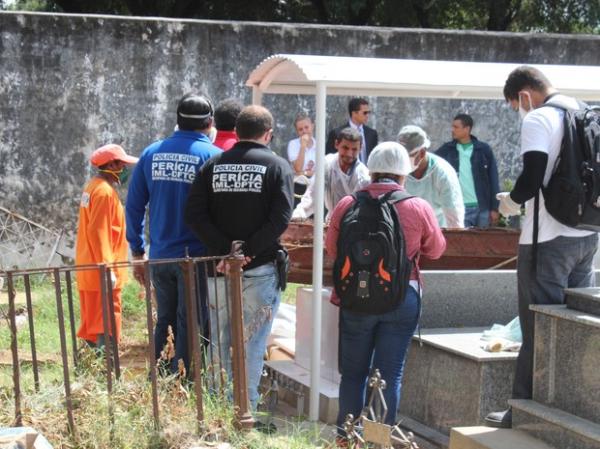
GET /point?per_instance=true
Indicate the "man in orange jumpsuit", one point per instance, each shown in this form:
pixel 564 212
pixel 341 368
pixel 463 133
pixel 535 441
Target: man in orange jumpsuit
pixel 101 239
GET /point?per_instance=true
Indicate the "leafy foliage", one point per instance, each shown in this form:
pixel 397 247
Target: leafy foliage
pixel 564 16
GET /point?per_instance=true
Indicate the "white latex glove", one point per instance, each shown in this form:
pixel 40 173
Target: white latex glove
pixel 507 206
pixel 113 279
pixel 298 214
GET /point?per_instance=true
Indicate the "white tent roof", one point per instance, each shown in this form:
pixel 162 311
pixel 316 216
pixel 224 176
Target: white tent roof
pixel 298 74
pixel 334 75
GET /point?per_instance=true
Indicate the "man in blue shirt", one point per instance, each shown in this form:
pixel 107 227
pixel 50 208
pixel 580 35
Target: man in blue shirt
pixel 477 171
pixel 160 184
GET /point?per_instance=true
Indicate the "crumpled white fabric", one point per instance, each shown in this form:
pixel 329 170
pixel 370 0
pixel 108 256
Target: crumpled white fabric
pixel 502 338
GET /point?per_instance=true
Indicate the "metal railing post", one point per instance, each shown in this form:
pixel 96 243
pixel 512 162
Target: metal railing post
pixel 34 361
pixel 194 357
pixel 71 314
pixel 151 345
pixel 13 347
pixel 63 350
pixel 107 352
pixel 244 419
pixel 113 323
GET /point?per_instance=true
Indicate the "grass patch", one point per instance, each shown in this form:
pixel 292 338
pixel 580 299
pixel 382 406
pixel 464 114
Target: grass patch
pixel 126 419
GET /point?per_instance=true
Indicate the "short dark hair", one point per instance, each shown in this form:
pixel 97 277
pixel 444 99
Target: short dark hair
pixel 465 119
pixel 226 113
pixel 355 103
pixel 522 77
pixel 348 133
pixel 252 122
pixel 194 111
pixel 301 116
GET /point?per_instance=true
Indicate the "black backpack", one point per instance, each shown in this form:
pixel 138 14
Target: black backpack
pixel 572 196
pixel 372 270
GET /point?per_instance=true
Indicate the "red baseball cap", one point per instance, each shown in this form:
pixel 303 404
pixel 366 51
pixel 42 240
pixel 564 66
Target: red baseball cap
pixel 109 153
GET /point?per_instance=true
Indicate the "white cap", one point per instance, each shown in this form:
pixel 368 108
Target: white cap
pixel 389 157
pixel 413 138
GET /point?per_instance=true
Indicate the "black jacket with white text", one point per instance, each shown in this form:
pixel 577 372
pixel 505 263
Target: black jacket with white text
pixel 246 194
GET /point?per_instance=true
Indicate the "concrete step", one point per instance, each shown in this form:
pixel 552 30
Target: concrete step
pixel 584 299
pixel 553 426
pixel 567 350
pixel 293 382
pixel 490 438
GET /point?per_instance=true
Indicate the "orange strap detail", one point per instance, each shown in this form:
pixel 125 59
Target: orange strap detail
pixel 384 274
pixel 346 267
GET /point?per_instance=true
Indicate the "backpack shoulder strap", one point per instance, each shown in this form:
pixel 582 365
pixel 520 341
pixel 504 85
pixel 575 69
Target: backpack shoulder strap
pixel 361 195
pixel 556 105
pixel 580 106
pixel 396 196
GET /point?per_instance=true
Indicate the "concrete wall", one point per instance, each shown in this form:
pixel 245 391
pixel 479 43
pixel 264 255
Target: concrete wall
pixel 71 83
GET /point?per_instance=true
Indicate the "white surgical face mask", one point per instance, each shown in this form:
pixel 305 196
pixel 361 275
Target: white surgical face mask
pixel 522 111
pixel 414 164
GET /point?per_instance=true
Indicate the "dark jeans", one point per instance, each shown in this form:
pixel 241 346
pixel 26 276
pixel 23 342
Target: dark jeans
pixel 169 286
pixel 564 262
pixel 374 341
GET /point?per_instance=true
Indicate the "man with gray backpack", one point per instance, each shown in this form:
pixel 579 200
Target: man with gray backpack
pixel 560 144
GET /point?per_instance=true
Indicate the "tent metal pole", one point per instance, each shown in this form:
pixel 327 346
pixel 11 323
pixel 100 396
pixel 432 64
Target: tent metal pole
pixel 319 193
pixel 256 95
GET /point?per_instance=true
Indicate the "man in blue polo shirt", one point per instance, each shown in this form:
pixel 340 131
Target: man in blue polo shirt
pixel 477 171
pixel 160 183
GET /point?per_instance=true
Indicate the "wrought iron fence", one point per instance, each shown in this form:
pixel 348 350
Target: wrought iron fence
pixel 207 365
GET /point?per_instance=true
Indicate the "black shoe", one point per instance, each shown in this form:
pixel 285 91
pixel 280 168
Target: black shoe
pixel 267 429
pixel 502 420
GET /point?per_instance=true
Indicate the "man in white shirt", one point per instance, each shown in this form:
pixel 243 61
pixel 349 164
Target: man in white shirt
pixel 302 150
pixel 344 175
pixel 564 255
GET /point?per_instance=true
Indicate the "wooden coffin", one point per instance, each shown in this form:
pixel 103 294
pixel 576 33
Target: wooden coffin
pixel 466 249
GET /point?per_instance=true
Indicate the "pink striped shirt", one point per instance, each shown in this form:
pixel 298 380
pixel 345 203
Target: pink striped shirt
pixel 421 230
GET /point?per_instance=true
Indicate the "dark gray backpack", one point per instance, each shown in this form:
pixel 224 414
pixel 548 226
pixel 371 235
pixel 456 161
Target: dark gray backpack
pixel 372 270
pixel 573 193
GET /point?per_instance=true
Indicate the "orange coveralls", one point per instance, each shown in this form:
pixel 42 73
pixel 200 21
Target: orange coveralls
pixel 100 239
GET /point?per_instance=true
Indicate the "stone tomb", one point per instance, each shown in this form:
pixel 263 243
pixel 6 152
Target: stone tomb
pixel 564 412
pixel 438 374
pixel 450 381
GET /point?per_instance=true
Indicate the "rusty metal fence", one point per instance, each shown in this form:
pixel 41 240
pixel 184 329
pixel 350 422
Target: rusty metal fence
pixel 206 360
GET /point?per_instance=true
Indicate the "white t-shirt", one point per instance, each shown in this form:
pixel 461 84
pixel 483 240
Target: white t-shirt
pixel 542 130
pixel 310 154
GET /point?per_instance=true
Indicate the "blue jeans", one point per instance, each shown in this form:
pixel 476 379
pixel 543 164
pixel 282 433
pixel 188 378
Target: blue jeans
pixel 370 342
pixel 475 217
pixel 261 297
pixel 564 262
pixel 170 289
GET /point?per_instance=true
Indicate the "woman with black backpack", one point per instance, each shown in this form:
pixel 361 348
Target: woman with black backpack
pixel 376 237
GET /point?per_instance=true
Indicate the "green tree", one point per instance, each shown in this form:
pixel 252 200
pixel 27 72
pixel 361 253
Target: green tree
pixel 564 16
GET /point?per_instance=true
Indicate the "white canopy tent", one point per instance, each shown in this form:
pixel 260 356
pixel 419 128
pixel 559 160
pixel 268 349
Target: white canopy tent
pixel 334 75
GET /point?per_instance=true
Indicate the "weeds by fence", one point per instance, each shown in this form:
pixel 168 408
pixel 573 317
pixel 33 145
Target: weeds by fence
pixel 206 375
